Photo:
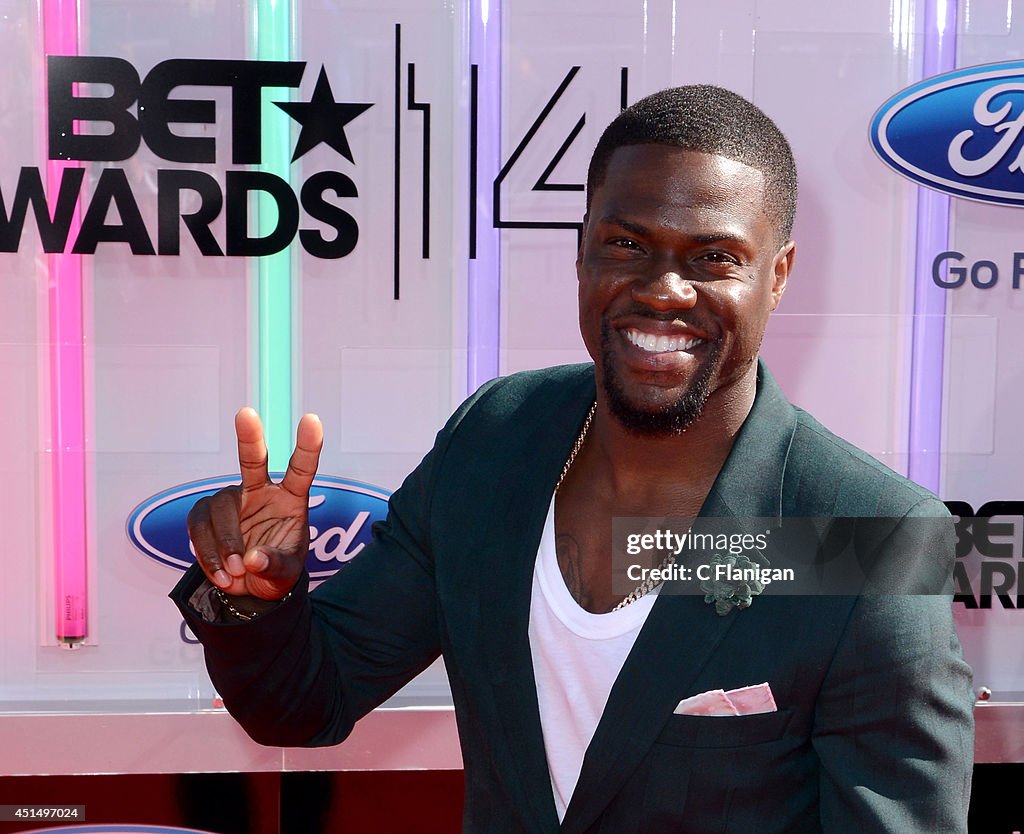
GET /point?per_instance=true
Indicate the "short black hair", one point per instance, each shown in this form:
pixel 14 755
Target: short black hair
pixel 710 120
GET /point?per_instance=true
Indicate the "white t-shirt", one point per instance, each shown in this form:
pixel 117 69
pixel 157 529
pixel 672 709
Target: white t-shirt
pixel 577 656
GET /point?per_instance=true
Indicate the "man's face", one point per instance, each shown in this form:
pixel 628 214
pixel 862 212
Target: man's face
pixel 678 271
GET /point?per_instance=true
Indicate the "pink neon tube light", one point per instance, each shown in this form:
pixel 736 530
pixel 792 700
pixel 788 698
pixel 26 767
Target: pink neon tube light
pixel 67 382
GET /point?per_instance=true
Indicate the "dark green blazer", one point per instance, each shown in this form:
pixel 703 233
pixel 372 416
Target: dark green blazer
pixel 874 729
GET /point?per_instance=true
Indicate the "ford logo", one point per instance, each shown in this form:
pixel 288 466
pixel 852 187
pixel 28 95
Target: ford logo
pixel 341 513
pixel 959 133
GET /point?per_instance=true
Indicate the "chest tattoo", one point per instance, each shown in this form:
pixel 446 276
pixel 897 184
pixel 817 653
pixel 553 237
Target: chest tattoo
pixel 570 562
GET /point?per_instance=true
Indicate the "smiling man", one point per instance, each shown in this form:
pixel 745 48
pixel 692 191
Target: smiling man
pixel 582 708
pixel 692 222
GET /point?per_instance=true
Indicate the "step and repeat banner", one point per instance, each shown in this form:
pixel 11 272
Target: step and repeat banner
pixel 367 210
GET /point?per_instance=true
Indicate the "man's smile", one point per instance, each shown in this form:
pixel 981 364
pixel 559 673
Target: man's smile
pixel 660 343
pixel 664 345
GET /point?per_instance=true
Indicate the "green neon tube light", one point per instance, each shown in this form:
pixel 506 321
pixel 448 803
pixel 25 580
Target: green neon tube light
pixel 274 342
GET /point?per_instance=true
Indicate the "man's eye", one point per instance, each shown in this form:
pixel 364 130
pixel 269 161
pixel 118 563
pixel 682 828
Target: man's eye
pixel 719 258
pixel 624 243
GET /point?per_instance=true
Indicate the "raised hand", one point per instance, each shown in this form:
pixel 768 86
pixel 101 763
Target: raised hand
pixel 253 539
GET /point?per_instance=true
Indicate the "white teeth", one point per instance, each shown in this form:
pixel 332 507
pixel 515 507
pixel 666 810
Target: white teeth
pixel 660 344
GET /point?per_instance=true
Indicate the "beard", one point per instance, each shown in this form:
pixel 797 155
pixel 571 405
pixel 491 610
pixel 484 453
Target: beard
pixel 670 418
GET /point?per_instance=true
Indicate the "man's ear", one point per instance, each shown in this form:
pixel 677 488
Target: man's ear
pixel 579 242
pixel 782 265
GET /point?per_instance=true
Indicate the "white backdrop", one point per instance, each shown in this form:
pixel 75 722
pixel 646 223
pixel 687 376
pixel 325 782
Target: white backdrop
pixel 170 338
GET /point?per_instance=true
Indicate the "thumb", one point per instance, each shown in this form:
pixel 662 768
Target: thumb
pixel 270 573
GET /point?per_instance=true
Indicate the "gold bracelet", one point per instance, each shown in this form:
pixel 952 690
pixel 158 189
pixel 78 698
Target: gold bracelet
pixel 244 615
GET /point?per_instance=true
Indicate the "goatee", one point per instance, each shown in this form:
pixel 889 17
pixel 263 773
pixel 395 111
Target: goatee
pixel 668 419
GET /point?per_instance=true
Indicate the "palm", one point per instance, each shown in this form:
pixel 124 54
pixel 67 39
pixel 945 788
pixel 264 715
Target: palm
pixel 271 516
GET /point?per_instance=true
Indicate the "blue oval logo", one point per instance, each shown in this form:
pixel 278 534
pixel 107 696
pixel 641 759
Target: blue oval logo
pixel 341 513
pixel 959 132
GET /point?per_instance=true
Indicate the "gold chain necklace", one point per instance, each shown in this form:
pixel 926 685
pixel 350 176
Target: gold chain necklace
pixel 644 587
pixel 577 445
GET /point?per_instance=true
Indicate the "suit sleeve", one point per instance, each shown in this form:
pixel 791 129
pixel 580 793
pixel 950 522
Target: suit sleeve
pixel 304 673
pixel 894 722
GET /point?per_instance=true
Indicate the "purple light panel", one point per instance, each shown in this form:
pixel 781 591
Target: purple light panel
pixel 929 325
pixel 484 290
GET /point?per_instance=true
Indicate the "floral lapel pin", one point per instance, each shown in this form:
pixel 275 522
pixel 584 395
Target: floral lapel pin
pixel 733 583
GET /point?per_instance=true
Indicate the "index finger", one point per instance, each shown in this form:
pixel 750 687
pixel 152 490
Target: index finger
pixel 309 440
pixel 252 448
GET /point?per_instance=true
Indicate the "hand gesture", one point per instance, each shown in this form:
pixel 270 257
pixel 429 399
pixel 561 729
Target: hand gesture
pixel 253 539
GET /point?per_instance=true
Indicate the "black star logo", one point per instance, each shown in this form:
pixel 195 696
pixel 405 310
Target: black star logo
pixel 322 119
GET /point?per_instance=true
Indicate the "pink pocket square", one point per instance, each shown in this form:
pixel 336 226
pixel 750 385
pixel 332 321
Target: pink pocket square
pixel 749 700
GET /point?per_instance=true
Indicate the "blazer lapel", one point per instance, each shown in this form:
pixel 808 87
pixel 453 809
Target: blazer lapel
pixel 750 484
pixel 505 597
pixel 682 633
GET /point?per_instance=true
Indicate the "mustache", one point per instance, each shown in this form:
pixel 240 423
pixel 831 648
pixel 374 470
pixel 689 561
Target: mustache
pixel 641 311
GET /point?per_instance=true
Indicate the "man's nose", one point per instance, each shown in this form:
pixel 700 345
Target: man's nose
pixel 667 290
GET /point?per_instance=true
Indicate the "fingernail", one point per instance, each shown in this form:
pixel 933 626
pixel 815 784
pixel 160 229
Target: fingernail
pixel 221 579
pixel 258 560
pixel 234 565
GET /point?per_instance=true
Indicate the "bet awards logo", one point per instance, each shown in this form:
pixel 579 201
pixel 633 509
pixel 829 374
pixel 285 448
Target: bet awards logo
pixel 989 554
pixel 172 127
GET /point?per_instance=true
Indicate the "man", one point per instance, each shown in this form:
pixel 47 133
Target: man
pixel 497 549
